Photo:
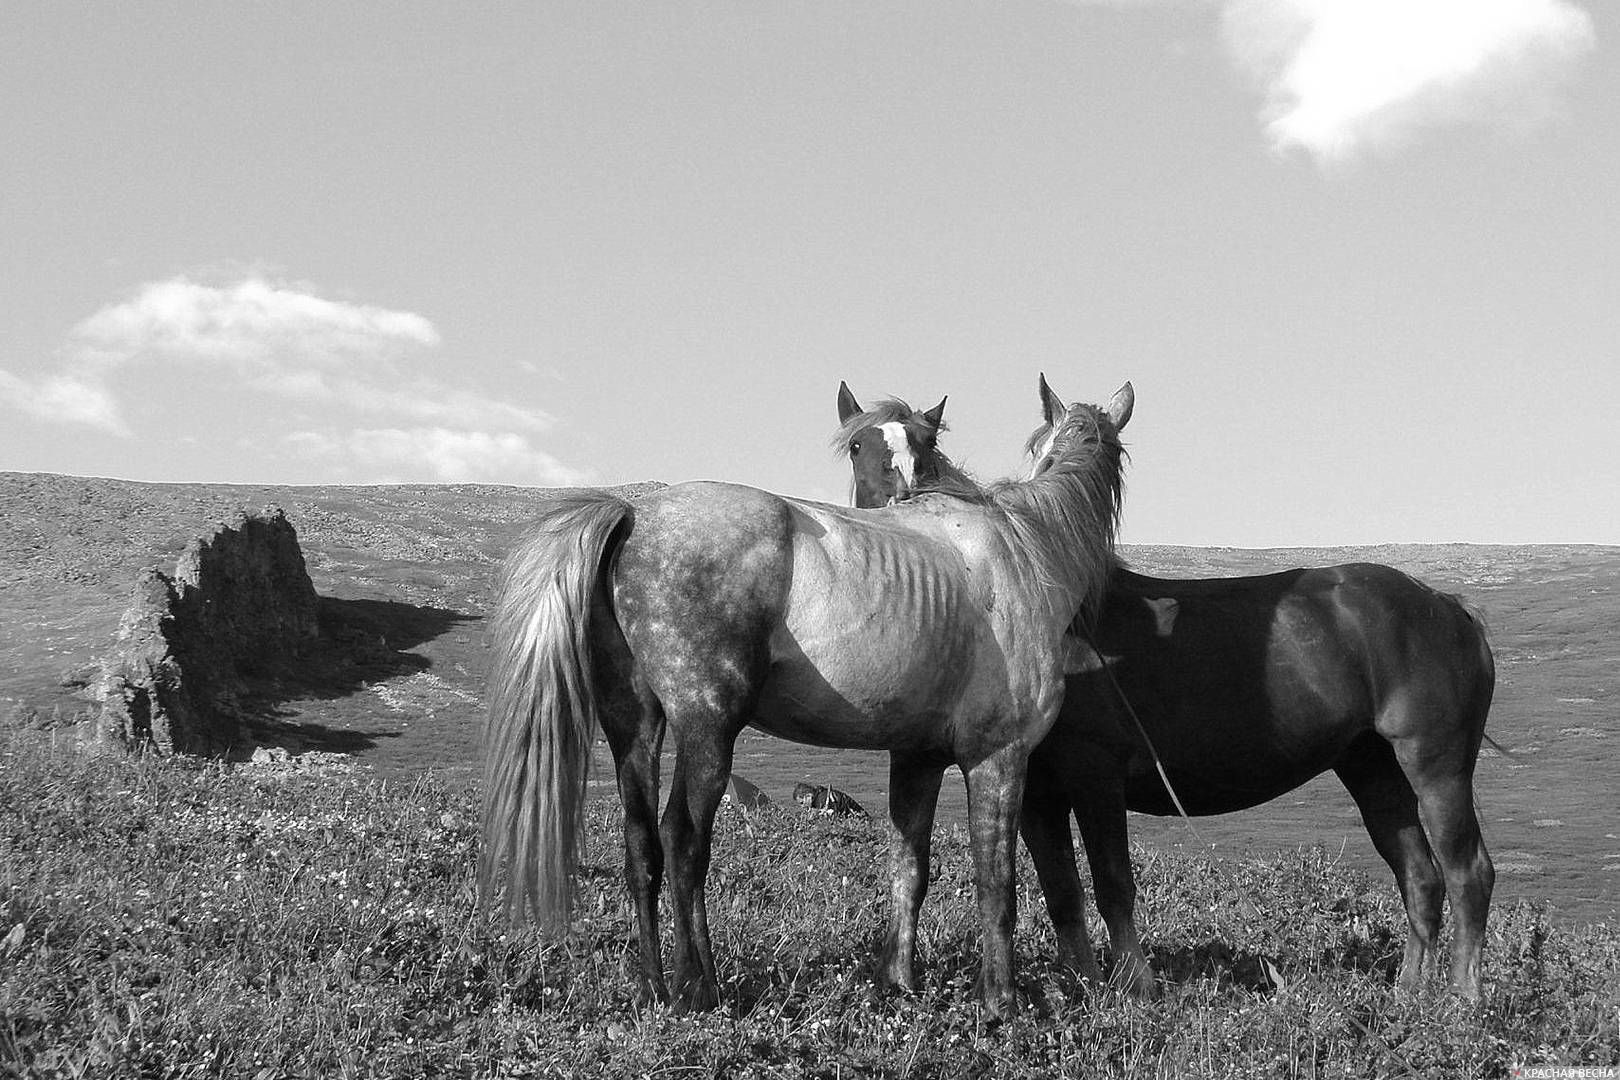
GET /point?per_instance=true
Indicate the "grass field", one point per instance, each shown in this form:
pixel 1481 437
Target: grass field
pixel 171 919
pixel 315 917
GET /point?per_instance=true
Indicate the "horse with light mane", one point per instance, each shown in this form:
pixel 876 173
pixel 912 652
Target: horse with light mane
pixel 1248 687
pixel 933 629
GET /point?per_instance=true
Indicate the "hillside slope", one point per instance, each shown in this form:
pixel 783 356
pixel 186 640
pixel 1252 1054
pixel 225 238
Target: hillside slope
pixel 417 564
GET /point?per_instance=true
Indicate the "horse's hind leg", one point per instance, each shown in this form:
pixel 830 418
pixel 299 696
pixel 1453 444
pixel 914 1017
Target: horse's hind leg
pixel 1044 822
pixel 1389 809
pixel 1445 793
pixel 703 753
pixel 1100 808
pixel 635 733
pixel 913 796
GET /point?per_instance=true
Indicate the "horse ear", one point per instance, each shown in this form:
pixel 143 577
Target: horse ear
pixel 1052 408
pixel 936 415
pixel 1120 405
pixel 847 405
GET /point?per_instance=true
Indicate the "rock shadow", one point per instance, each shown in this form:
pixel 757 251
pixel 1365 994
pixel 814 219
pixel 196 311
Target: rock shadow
pixel 361 643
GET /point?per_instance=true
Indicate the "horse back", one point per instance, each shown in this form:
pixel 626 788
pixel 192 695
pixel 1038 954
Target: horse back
pixel 1360 630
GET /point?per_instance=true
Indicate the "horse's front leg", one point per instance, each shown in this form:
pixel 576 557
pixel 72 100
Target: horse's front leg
pixel 913 795
pixel 995 792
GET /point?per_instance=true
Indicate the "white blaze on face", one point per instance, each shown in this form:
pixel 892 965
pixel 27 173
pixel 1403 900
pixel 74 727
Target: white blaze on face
pixel 894 433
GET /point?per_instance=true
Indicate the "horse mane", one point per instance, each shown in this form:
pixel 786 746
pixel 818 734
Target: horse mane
pixel 1037 437
pixel 1064 520
pixel 951 480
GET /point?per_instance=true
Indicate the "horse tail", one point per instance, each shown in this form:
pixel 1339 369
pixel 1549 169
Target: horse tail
pixel 543 707
pixel 1484 671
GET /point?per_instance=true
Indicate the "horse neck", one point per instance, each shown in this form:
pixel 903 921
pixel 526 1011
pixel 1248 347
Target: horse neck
pixel 1062 523
pixel 937 473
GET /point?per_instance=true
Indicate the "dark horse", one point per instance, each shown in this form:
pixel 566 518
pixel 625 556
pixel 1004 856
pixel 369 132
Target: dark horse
pixel 1248 687
pixel 933 629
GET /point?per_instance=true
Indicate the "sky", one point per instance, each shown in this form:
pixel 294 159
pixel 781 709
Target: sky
pixel 1360 259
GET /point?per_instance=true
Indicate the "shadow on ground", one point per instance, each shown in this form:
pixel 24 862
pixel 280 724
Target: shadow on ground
pixel 1259 972
pixel 362 643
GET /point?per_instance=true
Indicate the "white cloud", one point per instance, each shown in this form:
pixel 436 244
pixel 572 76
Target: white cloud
pixel 433 454
pixel 256 357
pixel 252 323
pixel 65 398
pixel 292 344
pixel 1345 76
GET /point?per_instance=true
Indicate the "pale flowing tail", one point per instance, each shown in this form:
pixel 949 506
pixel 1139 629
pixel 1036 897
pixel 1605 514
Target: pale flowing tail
pixel 543 707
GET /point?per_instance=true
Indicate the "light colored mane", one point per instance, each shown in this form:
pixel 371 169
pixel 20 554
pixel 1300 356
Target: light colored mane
pixel 1063 521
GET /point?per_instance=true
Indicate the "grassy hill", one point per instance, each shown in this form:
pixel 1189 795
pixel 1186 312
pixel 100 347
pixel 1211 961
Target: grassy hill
pixel 417 564
pixel 315 917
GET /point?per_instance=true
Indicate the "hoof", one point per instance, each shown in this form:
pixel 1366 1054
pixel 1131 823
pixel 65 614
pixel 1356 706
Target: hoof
pixel 1136 980
pixel 697 998
pixel 1083 964
pixel 999 1003
pixel 999 1010
pixel 648 995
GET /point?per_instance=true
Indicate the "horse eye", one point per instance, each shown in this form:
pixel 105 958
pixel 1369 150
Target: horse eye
pixel 854 448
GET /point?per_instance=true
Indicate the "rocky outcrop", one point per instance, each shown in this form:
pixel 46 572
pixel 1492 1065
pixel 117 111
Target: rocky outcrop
pixel 827 800
pixel 744 794
pixel 239 606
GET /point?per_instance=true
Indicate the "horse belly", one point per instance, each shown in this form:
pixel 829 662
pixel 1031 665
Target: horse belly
pixel 867 697
pixel 883 643
pixel 847 671
pixel 1231 742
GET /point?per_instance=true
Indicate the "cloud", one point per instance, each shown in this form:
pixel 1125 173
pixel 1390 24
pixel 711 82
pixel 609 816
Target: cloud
pixel 249 360
pixel 1342 77
pixel 252 323
pixel 289 343
pixel 66 399
pixel 433 454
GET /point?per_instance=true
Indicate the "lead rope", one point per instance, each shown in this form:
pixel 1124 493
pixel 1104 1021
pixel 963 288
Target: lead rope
pixel 1130 710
